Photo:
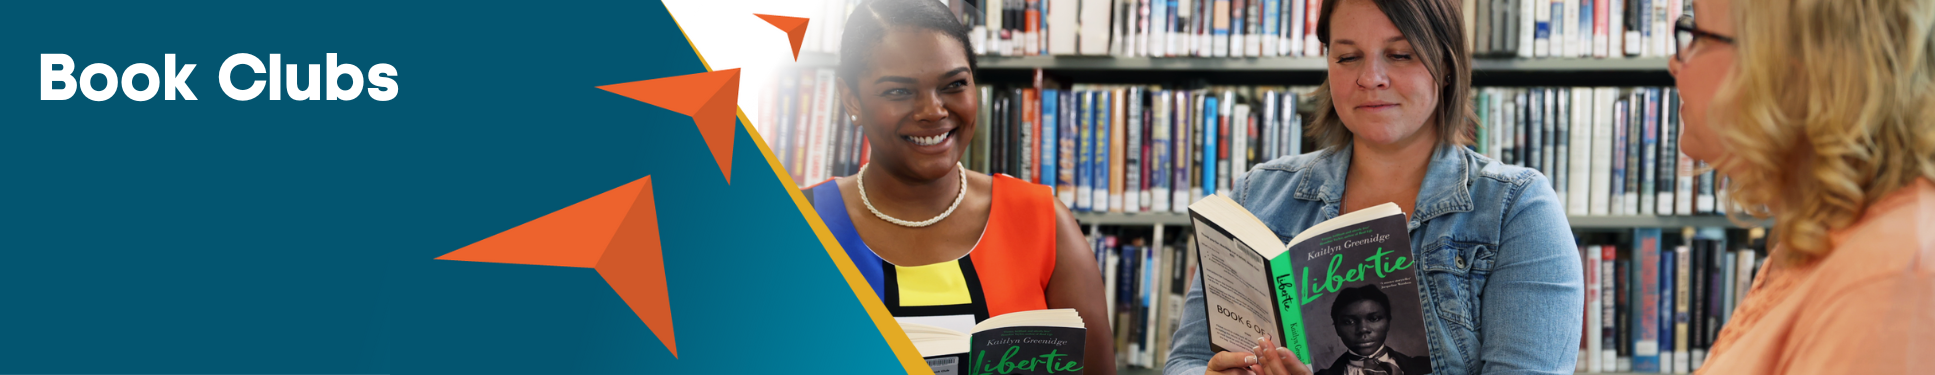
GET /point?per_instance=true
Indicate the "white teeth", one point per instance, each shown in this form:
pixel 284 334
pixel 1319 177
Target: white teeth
pixel 927 141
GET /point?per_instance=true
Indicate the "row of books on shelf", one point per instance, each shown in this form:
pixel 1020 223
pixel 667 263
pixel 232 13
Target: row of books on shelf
pixel 1129 148
pixel 1152 148
pixel 1134 148
pixel 1239 28
pixel 808 130
pixel 1145 283
pixel 1606 150
pixel 1657 307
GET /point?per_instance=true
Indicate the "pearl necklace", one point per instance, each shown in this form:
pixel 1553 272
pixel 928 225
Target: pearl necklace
pixel 962 193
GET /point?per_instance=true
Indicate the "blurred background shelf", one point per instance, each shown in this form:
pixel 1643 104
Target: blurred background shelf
pixel 1310 71
pixel 1578 222
pixel 1292 70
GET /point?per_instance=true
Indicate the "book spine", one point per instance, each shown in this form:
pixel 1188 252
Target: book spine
pixel 1240 27
pixel 1636 21
pixel 1536 132
pixel 1561 143
pixel 1208 164
pixel 1145 27
pixel 1635 127
pixel 1683 173
pixel 1541 28
pixel 1031 28
pixel 1682 309
pixel 1224 115
pixel 1270 125
pixel 1602 10
pixel 1270 28
pixel 1293 138
pixel 1582 29
pixel 816 166
pixel 1162 149
pixel 1578 190
pixel 1566 19
pixel 1197 122
pixel 1133 161
pixel 1311 46
pixel 1068 137
pixel 1220 29
pixel 1118 138
pixel 1649 147
pixel 1030 132
pixel 1294 35
pixel 1144 195
pixel 1667 155
pixel 1608 348
pixel 1622 352
pixel 1594 310
pixel 1697 302
pixel 1099 170
pixel 1548 142
pixel 1084 176
pixel 1646 330
pixel 1618 191
pixel 1239 139
pixel 1658 28
pixel 1050 139
pixel 1668 317
pixel 998 131
pixel 1158 30
pixel 1289 307
pixel 1509 126
pixel 1179 185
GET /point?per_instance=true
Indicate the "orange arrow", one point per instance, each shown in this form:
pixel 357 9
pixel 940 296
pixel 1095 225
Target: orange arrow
pixel 711 98
pixel 615 233
pixel 795 28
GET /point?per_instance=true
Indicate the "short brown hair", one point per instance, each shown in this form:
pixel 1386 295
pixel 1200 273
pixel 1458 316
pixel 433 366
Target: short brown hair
pixel 1436 29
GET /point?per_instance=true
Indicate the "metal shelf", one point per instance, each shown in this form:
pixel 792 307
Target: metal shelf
pixel 1578 222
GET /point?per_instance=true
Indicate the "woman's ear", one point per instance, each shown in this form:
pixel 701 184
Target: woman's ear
pixel 849 99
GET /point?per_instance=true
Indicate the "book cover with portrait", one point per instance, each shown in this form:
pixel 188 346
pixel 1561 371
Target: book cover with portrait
pixel 1342 295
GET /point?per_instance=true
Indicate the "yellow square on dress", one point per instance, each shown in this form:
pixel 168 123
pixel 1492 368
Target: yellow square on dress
pixel 938 284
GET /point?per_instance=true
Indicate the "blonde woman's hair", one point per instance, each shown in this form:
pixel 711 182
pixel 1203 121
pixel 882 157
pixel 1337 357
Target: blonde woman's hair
pixel 1834 107
pixel 1436 30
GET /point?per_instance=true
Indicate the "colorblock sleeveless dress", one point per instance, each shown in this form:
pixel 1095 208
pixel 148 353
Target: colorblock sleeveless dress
pixel 1007 271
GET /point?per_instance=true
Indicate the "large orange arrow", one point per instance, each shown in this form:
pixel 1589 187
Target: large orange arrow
pixel 615 232
pixel 711 98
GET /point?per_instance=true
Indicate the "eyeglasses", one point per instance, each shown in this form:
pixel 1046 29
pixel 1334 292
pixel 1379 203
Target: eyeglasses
pixel 1685 33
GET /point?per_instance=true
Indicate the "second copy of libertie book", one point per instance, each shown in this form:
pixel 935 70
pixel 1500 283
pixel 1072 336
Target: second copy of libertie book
pixel 1050 341
pixel 1342 295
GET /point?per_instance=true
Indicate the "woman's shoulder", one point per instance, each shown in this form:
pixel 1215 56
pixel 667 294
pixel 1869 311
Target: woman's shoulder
pixel 1294 163
pixel 1895 236
pixel 1491 170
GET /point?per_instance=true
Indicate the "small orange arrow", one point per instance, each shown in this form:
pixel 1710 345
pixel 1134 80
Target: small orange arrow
pixel 795 28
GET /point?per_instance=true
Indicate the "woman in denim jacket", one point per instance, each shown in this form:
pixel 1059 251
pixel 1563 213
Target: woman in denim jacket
pixel 1500 273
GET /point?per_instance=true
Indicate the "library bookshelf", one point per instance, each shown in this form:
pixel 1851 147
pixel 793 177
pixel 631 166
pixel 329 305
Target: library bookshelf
pixel 1156 233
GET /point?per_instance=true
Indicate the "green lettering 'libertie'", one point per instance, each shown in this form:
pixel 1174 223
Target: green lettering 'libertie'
pixel 1051 363
pixel 1289 305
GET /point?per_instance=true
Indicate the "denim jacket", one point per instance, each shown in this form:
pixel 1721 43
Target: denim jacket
pixel 1500 273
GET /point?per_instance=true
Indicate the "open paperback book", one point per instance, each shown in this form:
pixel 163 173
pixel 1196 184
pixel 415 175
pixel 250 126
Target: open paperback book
pixel 1024 342
pixel 1342 294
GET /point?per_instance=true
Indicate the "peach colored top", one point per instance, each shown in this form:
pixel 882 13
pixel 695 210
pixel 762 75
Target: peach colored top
pixel 1866 308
